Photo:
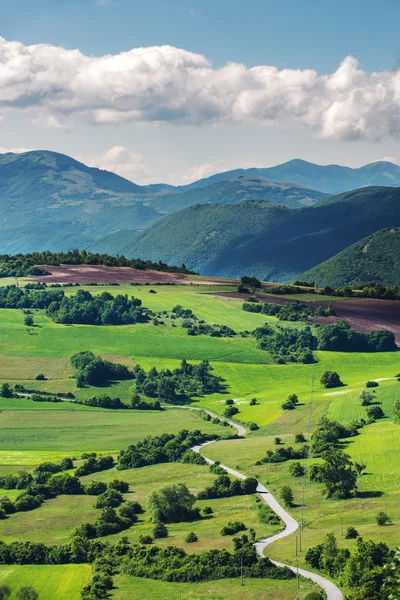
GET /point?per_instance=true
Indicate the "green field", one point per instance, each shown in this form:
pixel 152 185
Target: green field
pixel 32 433
pixel 61 582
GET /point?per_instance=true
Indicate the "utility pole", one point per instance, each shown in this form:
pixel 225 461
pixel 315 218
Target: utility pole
pixel 298 580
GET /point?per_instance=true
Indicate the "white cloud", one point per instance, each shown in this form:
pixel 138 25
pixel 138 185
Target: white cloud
pixel 170 85
pixel 15 150
pixel 391 159
pixel 220 166
pixel 122 161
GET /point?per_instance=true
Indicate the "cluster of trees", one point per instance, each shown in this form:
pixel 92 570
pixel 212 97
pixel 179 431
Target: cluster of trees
pixel 25 592
pixel 93 464
pixel 12 296
pixel 291 402
pixel 173 564
pixel 166 385
pixel 110 521
pixel 340 337
pixel 104 401
pixel 328 434
pixel 21 265
pixel 362 571
pixel 291 311
pixel 282 454
pixel 224 486
pixel 194 326
pixel 364 290
pixel 286 344
pixel 104 309
pixel 94 370
pixel 165 448
pixel 173 504
pixel 249 284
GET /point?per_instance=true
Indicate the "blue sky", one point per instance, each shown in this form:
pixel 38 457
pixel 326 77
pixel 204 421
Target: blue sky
pixel 164 144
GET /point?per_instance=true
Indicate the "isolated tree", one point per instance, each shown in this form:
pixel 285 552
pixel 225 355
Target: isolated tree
pixel 351 533
pixel 331 379
pixel 360 467
pixel 375 412
pixel 191 537
pixel 299 438
pixel 338 475
pixel 172 504
pixel 287 496
pixel 27 592
pixel 6 391
pixel 160 530
pixel 382 518
pixel 296 469
pixel 253 401
pixel 5 592
pixel 28 321
pixel 277 441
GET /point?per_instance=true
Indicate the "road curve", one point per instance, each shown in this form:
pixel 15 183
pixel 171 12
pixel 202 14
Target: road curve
pixel 332 592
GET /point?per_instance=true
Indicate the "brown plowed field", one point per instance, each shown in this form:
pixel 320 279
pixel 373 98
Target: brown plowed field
pixel 365 314
pixel 102 274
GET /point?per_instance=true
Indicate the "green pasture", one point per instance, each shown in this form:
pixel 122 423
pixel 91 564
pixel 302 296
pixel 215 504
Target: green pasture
pixel 65 431
pixel 55 520
pixel 61 582
pixel 136 588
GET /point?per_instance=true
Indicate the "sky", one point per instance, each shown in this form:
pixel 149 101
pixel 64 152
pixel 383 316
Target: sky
pixel 173 91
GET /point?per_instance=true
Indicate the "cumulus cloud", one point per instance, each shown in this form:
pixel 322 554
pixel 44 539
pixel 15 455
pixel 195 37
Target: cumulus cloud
pixel 120 160
pixel 170 85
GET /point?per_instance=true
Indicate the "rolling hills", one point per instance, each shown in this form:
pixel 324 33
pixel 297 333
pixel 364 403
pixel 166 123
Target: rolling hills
pixel 332 179
pixel 267 240
pixel 374 258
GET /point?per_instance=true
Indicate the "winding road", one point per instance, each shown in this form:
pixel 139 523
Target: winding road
pixel 332 592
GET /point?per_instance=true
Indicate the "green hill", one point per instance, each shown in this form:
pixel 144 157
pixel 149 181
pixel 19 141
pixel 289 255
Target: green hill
pixel 374 258
pixel 332 179
pixel 270 241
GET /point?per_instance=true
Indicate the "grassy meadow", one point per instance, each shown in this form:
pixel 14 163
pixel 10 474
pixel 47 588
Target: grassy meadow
pixel 32 433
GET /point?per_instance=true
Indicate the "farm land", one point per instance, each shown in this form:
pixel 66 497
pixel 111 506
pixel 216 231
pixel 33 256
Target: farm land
pixel 32 433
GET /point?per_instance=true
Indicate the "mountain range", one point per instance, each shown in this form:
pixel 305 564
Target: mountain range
pixel 274 223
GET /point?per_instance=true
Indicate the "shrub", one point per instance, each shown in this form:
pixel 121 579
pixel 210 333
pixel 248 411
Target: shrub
pixel 233 527
pixel 95 488
pixel 253 426
pixel 351 533
pixel 229 402
pixel 296 469
pixel 375 412
pixel 207 510
pixel 145 539
pixel 109 499
pixel 40 377
pixel 299 438
pixel 253 401
pixel 191 538
pixel 331 379
pixel 267 516
pixel 290 402
pixel 130 509
pixel 277 441
pixel 231 411
pixel 160 530
pixel 382 518
pixel 371 384
pixel 120 486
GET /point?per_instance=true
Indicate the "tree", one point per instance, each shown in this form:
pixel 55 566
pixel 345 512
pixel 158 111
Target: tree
pixel 191 537
pixel 5 592
pixel 382 518
pixel 396 411
pixel 331 379
pixel 351 533
pixel 160 530
pixel 360 467
pixel 375 412
pixel 296 469
pixel 28 321
pixel 338 474
pixel 277 441
pixel 253 401
pixel 172 504
pixel 287 496
pixel 27 592
pixel 299 438
pixel 40 377
pixel 6 391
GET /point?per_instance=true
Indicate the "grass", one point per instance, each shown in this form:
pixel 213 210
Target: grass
pixel 55 520
pixel 62 582
pixel 135 588
pixel 91 430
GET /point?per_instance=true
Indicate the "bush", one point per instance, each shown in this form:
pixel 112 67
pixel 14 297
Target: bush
pixel 120 486
pixel 253 426
pixel 375 412
pixel 267 516
pixel 253 401
pixel 109 499
pixel 296 469
pixel 160 531
pixel 207 510
pixel 231 411
pixel 27 592
pixel 145 539
pixel 331 379
pixel 191 538
pixel 233 527
pixel 371 384
pixel 351 533
pixel 40 377
pixel 130 509
pixel 299 438
pixel 290 402
pixel 382 518
pixel 95 488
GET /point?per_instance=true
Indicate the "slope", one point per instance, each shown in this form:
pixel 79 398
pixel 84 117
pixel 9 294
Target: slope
pixel 374 258
pixel 270 241
pixel 331 179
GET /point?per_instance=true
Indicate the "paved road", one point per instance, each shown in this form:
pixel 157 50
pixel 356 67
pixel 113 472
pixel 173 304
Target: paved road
pixel 291 525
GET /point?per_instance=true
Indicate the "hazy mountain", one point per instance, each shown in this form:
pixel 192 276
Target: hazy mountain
pixel 270 241
pixel 331 179
pixel 374 258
